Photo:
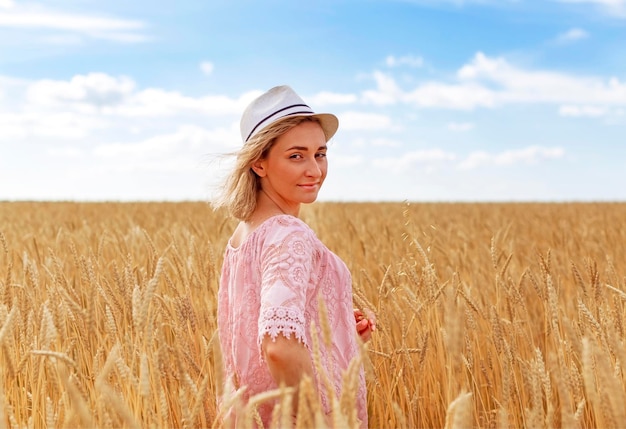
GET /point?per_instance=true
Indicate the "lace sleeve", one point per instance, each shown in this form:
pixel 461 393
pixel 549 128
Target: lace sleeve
pixel 286 276
pixel 285 320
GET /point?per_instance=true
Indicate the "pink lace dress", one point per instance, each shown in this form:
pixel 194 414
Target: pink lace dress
pixel 270 286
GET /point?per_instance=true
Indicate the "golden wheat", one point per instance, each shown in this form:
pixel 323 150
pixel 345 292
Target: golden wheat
pixel 488 315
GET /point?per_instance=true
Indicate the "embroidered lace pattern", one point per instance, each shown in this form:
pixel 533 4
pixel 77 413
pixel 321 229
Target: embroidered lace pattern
pixel 270 286
pixel 277 320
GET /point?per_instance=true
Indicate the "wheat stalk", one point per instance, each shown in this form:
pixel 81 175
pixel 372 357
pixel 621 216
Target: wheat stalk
pixel 459 414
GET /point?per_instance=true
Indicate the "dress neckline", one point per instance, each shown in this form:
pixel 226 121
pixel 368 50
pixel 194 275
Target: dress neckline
pixel 261 226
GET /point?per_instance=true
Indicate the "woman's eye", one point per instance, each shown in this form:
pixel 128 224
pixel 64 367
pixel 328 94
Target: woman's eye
pixel 295 156
pixel 321 155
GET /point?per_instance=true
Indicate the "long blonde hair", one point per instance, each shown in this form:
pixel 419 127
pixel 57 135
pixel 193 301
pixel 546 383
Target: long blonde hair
pixel 239 191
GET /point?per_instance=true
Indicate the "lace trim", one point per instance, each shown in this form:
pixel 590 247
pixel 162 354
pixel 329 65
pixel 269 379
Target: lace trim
pixel 282 320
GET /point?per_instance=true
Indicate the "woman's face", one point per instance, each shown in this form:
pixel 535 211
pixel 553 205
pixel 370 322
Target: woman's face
pixel 295 167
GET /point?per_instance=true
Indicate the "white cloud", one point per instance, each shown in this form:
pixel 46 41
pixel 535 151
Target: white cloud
pixel 460 126
pixel 94 90
pixel 461 3
pixel 407 60
pixel 572 35
pixel 328 98
pixel 36 17
pixel 614 7
pixel 583 111
pixel 386 92
pixel 49 125
pixel 65 39
pixel 363 121
pixel 154 147
pixel 97 108
pixel 464 96
pixel 117 96
pixel 610 3
pixel 375 142
pixel 7 4
pixel 63 21
pixel 122 37
pixel 158 102
pixel 526 86
pixel 9 81
pixel 385 142
pixel 423 158
pixel 206 67
pixel 528 155
pixel 165 146
pixel 65 152
pixel 338 160
pixel 491 82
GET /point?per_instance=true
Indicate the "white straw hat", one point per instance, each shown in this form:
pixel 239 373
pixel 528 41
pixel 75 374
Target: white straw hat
pixel 279 103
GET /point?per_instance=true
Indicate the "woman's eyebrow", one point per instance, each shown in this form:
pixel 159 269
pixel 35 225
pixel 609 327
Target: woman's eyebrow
pixel 304 148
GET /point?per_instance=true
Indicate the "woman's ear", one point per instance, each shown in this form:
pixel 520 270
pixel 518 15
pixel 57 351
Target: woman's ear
pixel 258 167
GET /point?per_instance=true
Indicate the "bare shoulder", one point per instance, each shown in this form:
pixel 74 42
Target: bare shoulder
pixel 241 232
pixel 273 228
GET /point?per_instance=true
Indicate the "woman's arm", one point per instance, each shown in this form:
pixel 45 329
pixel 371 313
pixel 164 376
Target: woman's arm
pixel 288 361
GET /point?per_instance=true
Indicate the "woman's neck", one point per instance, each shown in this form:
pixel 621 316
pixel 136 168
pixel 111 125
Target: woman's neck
pixel 269 204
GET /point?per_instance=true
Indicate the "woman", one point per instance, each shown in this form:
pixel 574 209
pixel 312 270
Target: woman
pixel 275 269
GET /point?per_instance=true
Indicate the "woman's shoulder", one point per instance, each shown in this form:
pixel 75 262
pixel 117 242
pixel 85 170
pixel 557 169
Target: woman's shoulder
pixel 288 233
pixel 274 228
pixel 284 225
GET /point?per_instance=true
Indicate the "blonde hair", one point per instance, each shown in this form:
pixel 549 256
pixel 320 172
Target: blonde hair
pixel 238 193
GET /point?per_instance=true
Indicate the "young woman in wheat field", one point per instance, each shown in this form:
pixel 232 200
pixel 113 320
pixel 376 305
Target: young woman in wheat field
pixel 278 277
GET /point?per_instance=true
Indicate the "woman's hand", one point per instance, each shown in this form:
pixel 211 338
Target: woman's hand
pixel 365 323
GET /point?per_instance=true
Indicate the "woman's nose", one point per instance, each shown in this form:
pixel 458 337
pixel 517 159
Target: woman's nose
pixel 313 168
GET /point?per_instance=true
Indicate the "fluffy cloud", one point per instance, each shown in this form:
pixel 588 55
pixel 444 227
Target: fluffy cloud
pixel 428 158
pixel 108 126
pixel 67 152
pixel 487 82
pixel 583 111
pixel 118 96
pixel 326 98
pixel 385 142
pixel 464 96
pixel 516 85
pixel 406 60
pixel 33 16
pixel 339 160
pixel 431 159
pixel 460 126
pixel 387 91
pixel 186 137
pixel 94 90
pixel 158 102
pixel 63 125
pixel 572 35
pixel 207 67
pixel 363 121
pixel 528 155
pixel 614 7
pixel 461 3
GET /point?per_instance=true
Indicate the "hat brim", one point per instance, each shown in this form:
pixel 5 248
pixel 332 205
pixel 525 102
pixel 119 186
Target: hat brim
pixel 328 122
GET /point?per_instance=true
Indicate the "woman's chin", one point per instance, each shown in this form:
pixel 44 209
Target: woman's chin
pixel 308 199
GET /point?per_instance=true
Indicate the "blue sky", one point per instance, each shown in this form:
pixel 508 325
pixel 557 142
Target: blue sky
pixel 460 100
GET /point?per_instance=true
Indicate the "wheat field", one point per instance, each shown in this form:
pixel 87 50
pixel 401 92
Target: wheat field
pixel 489 315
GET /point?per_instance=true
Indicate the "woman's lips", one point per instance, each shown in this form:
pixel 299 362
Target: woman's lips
pixel 309 186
